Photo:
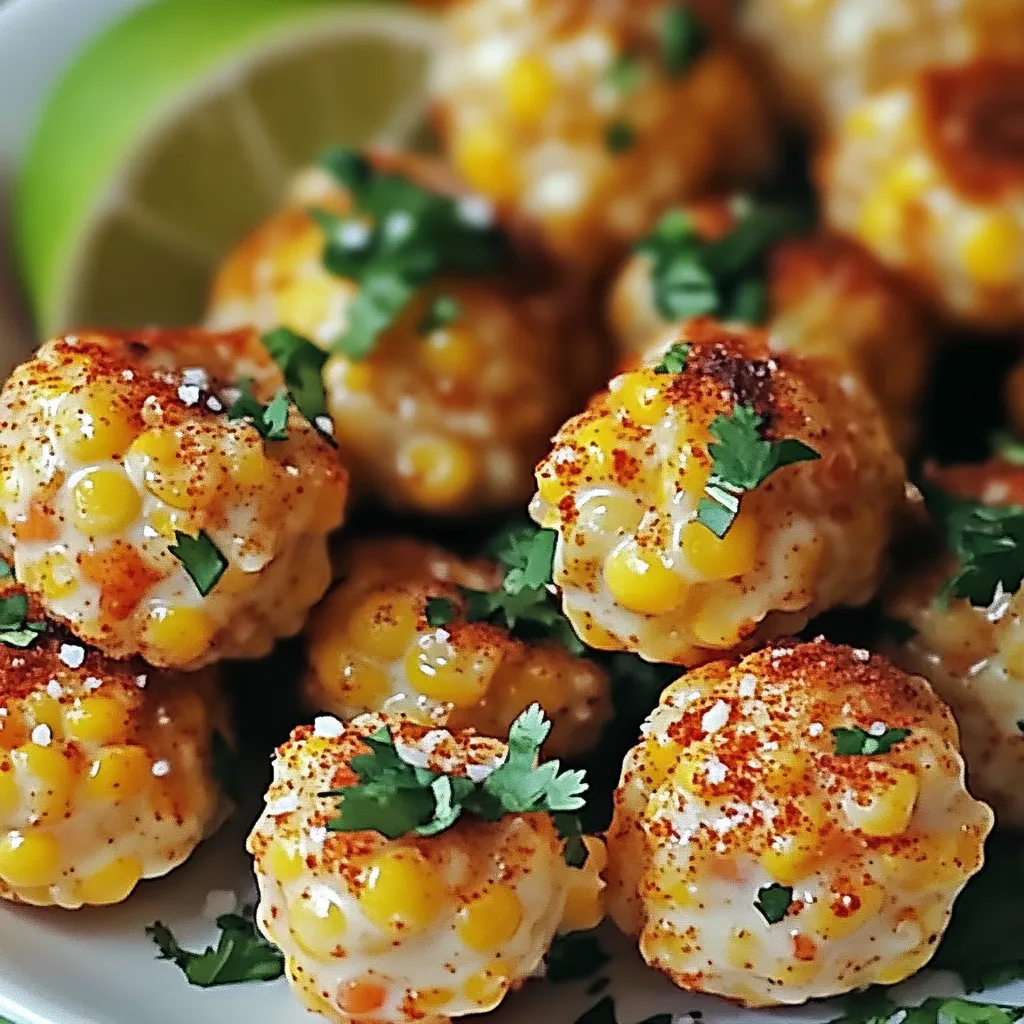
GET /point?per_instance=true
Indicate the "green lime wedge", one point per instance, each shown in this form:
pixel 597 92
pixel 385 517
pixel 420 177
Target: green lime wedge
pixel 178 130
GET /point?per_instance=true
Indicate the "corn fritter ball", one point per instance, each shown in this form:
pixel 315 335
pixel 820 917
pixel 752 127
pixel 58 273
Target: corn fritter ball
pixel 827 56
pixel 825 297
pixel 756 856
pixel 569 114
pixel 929 177
pixel 416 928
pixel 372 648
pixel 627 480
pixel 119 479
pixel 442 418
pixel 106 768
pixel 972 655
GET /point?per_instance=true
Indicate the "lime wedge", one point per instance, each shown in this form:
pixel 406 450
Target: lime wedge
pixel 178 130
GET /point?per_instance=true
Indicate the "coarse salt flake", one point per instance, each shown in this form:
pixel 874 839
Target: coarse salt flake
pixel 748 685
pixel 861 654
pixel 716 771
pixel 141 680
pixel 72 655
pixel 189 394
pixel 54 689
pixel 195 376
pixel 213 403
pixel 284 805
pixel 317 835
pixel 93 683
pixel 815 729
pixel 324 424
pixel 41 735
pixel 716 717
pixel 878 729
pixel 161 768
pixel 327 727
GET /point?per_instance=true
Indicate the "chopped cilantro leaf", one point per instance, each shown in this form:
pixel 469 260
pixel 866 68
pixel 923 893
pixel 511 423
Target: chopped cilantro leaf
pixel 6 572
pixel 857 741
pixel 200 558
pixel 723 277
pixel 301 363
pixel 227 769
pixel 773 902
pixel 879 1009
pixel 683 39
pixel 988 542
pixel 626 74
pixel 271 421
pixel 1008 448
pixel 575 956
pixel 674 360
pixel 14 630
pixel 439 611
pixel 381 298
pixel 348 167
pixel 395 799
pixel 619 137
pixel 444 310
pixel 240 955
pixel 741 461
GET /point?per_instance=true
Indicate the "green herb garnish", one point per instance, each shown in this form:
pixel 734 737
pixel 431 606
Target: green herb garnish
pixel 271 421
pixel 626 74
pixel 302 363
pixel 227 768
pixel 575 956
pixel 683 39
pixel 674 360
pixel 988 542
pixel 859 741
pixel 200 558
pixel 241 953
pixel 439 611
pixel 773 902
pixel 878 1009
pixel 725 277
pixel 619 137
pixel 398 237
pixel 14 630
pixel 741 461
pixel 1008 448
pixel 6 571
pixel 395 799
pixel 444 310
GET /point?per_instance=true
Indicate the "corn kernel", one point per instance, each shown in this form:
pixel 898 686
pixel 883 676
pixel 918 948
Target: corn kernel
pixel 550 489
pixel 484 157
pixel 29 858
pixel 96 720
pixel 643 398
pixel 640 581
pixel 284 862
pixel 53 778
pixel 743 949
pixel 364 684
pixel 180 634
pixel 714 623
pixel 305 305
pixel 104 502
pixel 13 729
pixel 181 471
pixel 433 998
pixel 361 997
pixel 529 87
pixel 490 921
pixel 791 858
pixel 249 465
pixel 487 988
pixel 318 925
pixel 382 625
pixel 897 969
pixel 888 809
pixel 46 710
pixel 842 911
pixel 442 672
pixel 991 251
pixel 403 892
pixel 92 425
pixel 438 473
pixel 345 374
pixel 111 884
pixel 118 773
pixel 452 352
pixel 726 557
pixel 880 221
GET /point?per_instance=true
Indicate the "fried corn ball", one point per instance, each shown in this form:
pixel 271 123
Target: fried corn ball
pixel 415 928
pixel 373 647
pixel 148 520
pixel 455 401
pixel 973 655
pixel 929 177
pixel 824 296
pixel 792 825
pixel 827 56
pixel 106 767
pixel 569 113
pixel 638 486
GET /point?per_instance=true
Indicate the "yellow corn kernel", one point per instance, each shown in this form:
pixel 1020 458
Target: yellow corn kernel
pixel 317 925
pixel 403 892
pixel 96 720
pixel 433 998
pixel 722 558
pixel 714 622
pixel 46 710
pixel 29 858
pixel 10 792
pixel 53 575
pixel 180 634
pixel 991 250
pixel 888 809
pixel 441 672
pixel 484 156
pixel 490 921
pixel 104 502
pixel 118 773
pixel 452 352
pixel 183 481
pixel 306 304
pixel 862 123
pixel 584 903
pixel 842 911
pixel 13 729
pixel 487 988
pixel 283 862
pixel 438 473
pixel 52 778
pixel 909 179
pixel 550 489
pixel 640 581
pixel 344 374
pixel 92 425
pixel 166 521
pixel 382 624
pixel 791 858
pixel 662 755
pixel 743 949
pixel 364 684
pixel 643 399
pixel 880 221
pixel 897 969
pixel 249 465
pixel 111 884
pixel 615 514
pixel 595 442
pixel 1012 654
pixel 528 87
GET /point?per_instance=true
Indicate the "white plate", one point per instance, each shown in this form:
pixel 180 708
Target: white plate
pixel 97 966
